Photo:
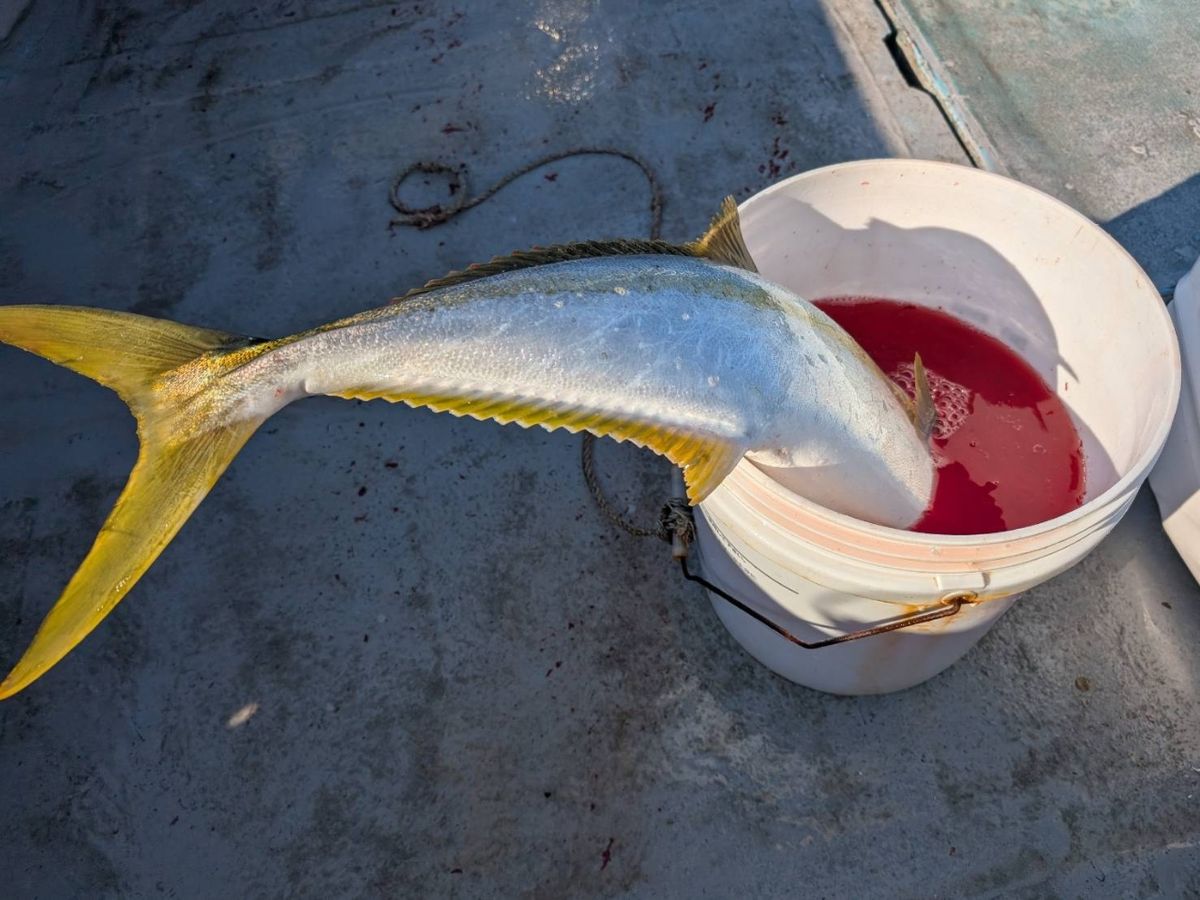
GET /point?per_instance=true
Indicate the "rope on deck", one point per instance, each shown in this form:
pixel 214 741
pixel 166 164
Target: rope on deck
pixel 675 517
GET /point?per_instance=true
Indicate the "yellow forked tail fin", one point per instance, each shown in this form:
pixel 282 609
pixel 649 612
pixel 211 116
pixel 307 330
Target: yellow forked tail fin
pixel 164 372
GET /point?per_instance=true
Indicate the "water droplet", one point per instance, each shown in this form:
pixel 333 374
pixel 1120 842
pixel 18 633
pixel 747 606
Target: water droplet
pixel 559 304
pixel 713 380
pixel 622 291
pixel 686 316
pixel 1038 448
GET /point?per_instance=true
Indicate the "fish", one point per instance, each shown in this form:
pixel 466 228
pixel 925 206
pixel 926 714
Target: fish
pixel 680 348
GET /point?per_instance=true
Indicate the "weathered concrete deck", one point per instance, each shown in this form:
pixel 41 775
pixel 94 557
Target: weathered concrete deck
pixel 400 654
pixel 1093 101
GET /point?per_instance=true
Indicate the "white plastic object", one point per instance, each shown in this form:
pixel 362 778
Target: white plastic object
pixel 1023 267
pixel 1176 478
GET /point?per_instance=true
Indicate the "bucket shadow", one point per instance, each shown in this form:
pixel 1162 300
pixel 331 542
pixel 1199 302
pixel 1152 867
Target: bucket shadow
pixel 1161 233
pixel 972 274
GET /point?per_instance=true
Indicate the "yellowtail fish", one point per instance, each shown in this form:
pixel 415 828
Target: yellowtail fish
pixel 683 349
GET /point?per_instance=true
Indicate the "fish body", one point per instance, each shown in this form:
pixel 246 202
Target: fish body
pixel 702 362
pixel 658 350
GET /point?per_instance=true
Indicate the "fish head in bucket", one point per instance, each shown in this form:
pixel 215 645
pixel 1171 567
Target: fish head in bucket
pixel 1024 268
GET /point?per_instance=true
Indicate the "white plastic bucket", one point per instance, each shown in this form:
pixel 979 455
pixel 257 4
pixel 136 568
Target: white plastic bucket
pixel 1021 266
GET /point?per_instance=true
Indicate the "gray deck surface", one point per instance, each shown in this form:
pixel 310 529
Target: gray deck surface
pixel 401 654
pixel 1094 101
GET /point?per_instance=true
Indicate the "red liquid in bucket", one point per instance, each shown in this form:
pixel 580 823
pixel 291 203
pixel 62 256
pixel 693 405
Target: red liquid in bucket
pixel 1008 453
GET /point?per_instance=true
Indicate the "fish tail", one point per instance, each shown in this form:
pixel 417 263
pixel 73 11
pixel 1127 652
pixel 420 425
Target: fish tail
pixel 164 372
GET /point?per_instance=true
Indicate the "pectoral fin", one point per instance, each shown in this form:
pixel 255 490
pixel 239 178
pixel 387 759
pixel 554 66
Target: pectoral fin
pixel 921 409
pixel 925 415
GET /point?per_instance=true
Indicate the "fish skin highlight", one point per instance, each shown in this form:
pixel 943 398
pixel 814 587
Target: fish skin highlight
pixel 656 344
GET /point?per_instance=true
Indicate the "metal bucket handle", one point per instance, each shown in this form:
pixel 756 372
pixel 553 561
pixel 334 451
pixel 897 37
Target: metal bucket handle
pixel 677 517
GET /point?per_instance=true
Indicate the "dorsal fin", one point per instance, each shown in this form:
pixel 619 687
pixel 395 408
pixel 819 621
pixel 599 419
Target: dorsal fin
pixel 722 243
pixel 540 256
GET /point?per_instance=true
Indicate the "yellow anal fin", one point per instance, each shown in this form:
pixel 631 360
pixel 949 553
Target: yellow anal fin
pixel 705 459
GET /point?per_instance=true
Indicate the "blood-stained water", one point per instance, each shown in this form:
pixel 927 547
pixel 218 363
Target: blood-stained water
pixel 1008 453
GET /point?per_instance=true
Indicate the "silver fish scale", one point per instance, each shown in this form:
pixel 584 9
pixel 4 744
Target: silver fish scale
pixel 674 341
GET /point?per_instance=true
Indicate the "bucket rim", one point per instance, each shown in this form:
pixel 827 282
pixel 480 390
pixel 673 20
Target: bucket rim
pixel 1131 480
